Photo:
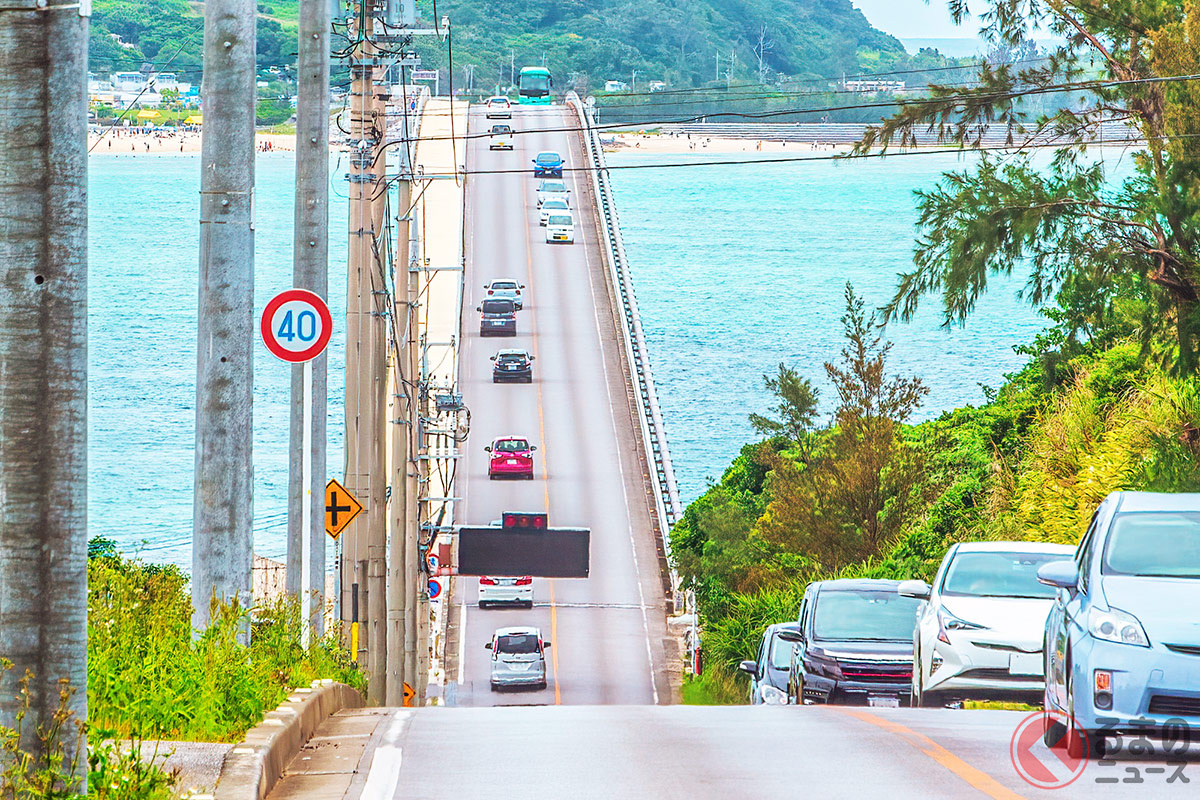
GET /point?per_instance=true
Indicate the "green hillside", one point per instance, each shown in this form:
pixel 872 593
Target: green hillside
pixel 682 42
pixel 125 34
pixel 677 41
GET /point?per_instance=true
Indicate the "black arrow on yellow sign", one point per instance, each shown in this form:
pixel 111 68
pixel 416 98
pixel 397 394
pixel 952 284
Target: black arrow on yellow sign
pixel 341 507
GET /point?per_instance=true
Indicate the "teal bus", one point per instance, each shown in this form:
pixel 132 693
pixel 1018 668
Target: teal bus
pixel 534 86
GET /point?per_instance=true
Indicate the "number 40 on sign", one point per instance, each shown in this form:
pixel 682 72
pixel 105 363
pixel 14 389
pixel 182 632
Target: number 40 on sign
pixel 296 325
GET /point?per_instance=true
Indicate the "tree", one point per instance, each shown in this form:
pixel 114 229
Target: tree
pixel 1076 232
pixel 849 501
pixel 795 412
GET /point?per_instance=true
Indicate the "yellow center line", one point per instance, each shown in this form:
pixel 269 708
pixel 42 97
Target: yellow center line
pixel 976 778
pixel 545 470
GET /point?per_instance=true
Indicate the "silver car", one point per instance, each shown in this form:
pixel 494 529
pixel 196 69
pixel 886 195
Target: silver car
pixel 505 289
pixel 552 205
pixel 518 658
pixel 551 188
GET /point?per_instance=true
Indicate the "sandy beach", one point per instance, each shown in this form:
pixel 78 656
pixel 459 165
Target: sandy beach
pixel 674 145
pixel 119 141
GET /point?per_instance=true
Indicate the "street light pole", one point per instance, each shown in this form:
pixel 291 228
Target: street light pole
pixel 223 513
pixel 43 350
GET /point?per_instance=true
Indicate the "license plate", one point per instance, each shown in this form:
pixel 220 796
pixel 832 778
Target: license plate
pixel 1025 664
pixel 513 461
pixel 877 701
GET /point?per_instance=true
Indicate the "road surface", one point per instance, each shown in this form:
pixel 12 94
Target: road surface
pixel 607 631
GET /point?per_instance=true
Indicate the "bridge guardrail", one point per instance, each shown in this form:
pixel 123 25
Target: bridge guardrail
pixel 667 505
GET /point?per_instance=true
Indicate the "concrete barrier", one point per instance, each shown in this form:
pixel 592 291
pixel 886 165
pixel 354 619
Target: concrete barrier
pixel 253 767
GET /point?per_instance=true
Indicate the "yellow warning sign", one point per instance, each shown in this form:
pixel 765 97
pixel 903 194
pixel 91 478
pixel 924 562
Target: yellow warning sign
pixel 341 508
pixel 409 694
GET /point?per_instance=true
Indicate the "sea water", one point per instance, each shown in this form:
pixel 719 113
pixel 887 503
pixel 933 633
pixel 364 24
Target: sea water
pixel 737 269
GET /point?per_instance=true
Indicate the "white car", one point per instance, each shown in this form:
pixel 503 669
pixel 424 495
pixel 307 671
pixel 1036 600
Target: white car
pixel 498 108
pixel 506 591
pixel 505 289
pixel 551 187
pixel 979 634
pixel 501 138
pixel 552 205
pixel 518 658
pixel 560 228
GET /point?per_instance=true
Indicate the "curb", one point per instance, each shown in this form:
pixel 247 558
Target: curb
pixel 253 767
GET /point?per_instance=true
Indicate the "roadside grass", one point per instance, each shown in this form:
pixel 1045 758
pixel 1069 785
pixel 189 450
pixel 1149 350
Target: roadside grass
pixel 150 678
pixel 712 688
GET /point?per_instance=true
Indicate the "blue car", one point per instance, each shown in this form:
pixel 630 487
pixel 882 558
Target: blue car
pixel 769 670
pixel 1122 644
pixel 548 165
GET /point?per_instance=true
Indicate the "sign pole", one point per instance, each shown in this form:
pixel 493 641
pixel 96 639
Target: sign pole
pixel 306 594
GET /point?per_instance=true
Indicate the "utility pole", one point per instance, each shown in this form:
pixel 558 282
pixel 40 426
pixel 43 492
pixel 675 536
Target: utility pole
pixel 310 270
pixel 512 68
pixel 222 532
pixel 364 567
pixel 633 81
pixel 43 350
pixel 717 75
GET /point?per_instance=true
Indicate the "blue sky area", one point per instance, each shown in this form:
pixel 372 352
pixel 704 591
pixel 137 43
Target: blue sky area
pixel 915 19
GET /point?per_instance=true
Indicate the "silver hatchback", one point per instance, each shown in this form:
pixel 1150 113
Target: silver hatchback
pixel 518 658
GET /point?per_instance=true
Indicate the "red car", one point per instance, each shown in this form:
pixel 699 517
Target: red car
pixel 512 456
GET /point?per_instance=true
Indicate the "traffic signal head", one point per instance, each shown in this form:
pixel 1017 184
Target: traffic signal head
pixel 524 521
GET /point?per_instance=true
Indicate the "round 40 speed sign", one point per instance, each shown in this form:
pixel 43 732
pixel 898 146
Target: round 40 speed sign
pixel 296 325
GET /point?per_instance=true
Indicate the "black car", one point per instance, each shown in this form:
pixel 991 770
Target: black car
pixel 855 644
pixel 497 318
pixel 512 365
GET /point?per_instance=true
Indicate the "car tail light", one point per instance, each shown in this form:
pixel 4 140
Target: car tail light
pixel 524 581
pixel 487 581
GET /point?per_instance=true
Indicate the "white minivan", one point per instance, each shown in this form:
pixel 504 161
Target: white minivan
pixel 560 227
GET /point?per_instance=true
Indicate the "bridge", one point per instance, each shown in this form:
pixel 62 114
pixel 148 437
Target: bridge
pixel 608 723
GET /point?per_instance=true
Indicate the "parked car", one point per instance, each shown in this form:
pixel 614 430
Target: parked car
pixel 855 644
pixel 769 670
pixel 497 318
pixel 550 188
pixel 498 108
pixel 512 365
pixel 506 289
pixel 548 165
pixel 1123 635
pixel 518 658
pixel 979 632
pixel 501 138
pixel 505 591
pixel 511 456
pixel 560 228
pixel 552 205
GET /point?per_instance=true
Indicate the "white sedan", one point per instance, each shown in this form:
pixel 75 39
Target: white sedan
pixel 549 188
pixel 506 591
pixel 498 108
pixel 554 204
pixel 979 634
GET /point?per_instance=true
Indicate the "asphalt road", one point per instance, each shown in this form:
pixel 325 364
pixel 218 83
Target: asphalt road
pixel 606 631
pixel 691 752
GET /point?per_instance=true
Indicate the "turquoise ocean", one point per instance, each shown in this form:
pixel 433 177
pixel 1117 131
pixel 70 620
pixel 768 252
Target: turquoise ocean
pixel 737 268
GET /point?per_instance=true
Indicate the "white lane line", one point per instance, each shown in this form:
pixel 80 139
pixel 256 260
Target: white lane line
pixel 383 778
pixel 612 415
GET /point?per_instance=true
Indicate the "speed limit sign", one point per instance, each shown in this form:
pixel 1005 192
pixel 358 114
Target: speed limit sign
pixel 296 325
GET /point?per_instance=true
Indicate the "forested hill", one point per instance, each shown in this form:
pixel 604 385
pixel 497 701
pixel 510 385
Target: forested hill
pixel 677 41
pixel 681 42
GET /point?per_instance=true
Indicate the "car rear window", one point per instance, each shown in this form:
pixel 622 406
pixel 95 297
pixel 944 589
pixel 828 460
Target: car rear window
pixel 554 186
pixel 549 204
pixel 1158 544
pixel 504 285
pixel 497 307
pixel 512 358
pixel 511 446
pixel 560 219
pixel 517 643
pixel 500 129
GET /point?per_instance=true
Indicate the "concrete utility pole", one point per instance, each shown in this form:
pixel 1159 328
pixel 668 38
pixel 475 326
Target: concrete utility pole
pixel 43 361
pixel 222 531
pixel 364 573
pixel 310 270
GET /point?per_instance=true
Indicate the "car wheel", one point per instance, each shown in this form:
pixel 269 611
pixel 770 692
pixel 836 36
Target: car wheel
pixel 528 604
pixel 483 604
pixel 542 685
pixel 491 477
pixel 931 700
pixel 529 380
pixel 495 688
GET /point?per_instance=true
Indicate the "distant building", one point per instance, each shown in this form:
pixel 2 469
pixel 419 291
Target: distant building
pixel 616 86
pixel 657 86
pixel 871 86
